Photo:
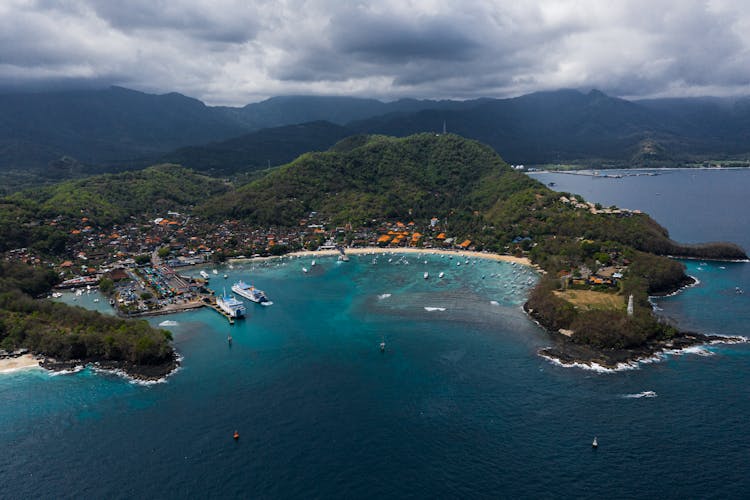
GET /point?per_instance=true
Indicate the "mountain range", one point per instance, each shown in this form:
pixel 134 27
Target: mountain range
pixel 57 135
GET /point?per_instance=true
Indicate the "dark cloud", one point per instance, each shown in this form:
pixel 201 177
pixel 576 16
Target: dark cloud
pixel 236 51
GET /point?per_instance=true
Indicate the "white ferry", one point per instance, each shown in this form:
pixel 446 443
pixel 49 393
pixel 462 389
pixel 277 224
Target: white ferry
pixel 233 307
pixel 250 292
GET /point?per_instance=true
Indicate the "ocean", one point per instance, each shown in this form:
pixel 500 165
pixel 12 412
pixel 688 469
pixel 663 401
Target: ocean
pixel 458 405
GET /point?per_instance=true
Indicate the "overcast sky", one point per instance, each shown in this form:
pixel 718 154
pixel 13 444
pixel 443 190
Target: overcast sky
pixel 239 51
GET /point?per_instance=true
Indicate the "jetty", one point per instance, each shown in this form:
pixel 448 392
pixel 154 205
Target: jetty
pixel 221 311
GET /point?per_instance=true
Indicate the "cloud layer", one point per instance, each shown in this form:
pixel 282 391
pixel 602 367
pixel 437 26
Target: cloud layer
pixel 239 51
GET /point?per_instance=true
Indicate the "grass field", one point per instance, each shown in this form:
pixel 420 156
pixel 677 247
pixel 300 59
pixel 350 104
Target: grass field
pixel 587 300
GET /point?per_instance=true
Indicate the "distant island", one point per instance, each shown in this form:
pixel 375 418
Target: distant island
pixel 427 191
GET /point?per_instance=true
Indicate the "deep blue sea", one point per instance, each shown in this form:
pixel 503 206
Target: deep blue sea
pixel 459 405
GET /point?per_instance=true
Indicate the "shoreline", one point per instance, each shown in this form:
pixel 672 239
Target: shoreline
pixel 524 261
pixel 140 374
pixel 18 363
pixel 569 355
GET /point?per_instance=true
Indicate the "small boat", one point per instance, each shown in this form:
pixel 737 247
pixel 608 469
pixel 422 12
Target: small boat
pixel 304 269
pixel 225 276
pixel 204 275
pixel 441 274
pixel 312 264
pixel 96 300
pixel 382 347
pixel 236 435
pixel 595 444
pixel 229 340
pixel 215 271
pixel 426 275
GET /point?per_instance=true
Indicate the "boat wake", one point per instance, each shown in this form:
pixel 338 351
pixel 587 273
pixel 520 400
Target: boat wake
pixel 168 323
pixel 430 309
pixel 644 394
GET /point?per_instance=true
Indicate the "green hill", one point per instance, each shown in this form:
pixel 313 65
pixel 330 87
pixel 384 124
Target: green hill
pixel 109 198
pixel 378 177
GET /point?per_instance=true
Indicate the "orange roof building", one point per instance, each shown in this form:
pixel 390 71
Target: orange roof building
pixel 465 244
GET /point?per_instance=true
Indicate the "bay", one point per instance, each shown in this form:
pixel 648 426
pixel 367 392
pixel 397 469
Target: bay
pixel 458 405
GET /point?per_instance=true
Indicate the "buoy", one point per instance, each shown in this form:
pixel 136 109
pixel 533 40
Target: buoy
pixel 236 435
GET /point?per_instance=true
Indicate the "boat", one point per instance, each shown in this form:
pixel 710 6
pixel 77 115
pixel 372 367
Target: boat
pixel 595 444
pixel 441 274
pixel 225 276
pixel 426 275
pixel 236 435
pixel 232 307
pixel 382 347
pixel 96 300
pixel 215 271
pixel 312 263
pixel 304 269
pixel 204 275
pixel 250 292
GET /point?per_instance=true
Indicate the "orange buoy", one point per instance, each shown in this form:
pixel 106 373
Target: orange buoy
pixel 236 435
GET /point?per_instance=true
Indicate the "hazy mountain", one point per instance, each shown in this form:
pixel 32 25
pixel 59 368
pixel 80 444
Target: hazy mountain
pixel 57 135
pixel 258 150
pixel 286 110
pixel 97 126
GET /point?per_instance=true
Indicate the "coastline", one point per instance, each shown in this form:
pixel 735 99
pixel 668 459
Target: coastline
pixel 23 362
pixel 143 374
pixel 569 355
pixel 524 261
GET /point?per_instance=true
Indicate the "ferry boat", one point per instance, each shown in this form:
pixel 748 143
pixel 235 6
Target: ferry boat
pixel 250 292
pixel 233 307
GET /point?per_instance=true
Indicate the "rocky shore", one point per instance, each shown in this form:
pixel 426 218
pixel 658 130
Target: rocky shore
pixel 137 372
pixel 567 353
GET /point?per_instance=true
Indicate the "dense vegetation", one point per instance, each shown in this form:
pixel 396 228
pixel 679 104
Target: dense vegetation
pixel 65 332
pixel 378 177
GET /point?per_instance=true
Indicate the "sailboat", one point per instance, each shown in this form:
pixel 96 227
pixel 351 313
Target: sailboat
pixel 595 444
pixel 426 275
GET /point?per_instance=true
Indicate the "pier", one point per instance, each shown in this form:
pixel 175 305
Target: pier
pixel 220 311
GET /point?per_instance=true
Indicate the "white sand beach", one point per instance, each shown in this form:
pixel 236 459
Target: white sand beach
pixel 409 250
pixel 26 361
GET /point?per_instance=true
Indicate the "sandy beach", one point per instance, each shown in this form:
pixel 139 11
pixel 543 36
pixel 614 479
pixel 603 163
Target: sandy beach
pixel 20 363
pixel 373 250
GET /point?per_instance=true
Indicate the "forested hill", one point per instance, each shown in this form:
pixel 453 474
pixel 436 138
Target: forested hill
pixel 368 177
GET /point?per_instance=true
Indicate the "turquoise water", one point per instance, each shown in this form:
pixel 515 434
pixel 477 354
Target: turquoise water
pixel 459 404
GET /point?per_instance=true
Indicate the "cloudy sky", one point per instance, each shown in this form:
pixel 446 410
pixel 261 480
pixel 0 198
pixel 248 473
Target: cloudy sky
pixel 239 51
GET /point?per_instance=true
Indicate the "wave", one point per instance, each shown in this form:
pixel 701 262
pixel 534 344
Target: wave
pixel 430 309
pixel 384 296
pixel 644 394
pixel 75 369
pixel 168 323
pixel 663 355
pixel 593 366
